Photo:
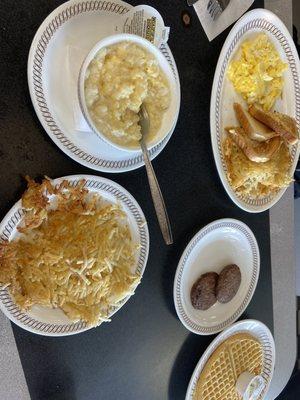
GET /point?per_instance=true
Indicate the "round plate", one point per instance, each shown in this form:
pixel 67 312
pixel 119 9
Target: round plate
pixel 223 242
pixel 53 322
pixel 224 95
pixel 254 328
pixel 56 54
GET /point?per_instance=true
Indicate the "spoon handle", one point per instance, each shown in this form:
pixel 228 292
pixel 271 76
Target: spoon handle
pixel 157 197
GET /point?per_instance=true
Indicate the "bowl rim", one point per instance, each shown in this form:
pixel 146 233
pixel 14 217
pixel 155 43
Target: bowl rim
pixel 181 312
pixel 146 44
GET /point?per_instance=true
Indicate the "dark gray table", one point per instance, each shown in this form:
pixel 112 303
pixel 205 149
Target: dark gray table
pixel 145 352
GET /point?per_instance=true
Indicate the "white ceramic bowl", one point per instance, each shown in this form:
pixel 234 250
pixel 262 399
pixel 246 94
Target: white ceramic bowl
pixel 171 114
pixel 223 242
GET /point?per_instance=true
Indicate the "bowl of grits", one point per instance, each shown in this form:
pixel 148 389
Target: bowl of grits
pixel 119 74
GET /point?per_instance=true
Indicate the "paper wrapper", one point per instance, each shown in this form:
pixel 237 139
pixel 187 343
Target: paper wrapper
pixel 212 28
pixel 146 22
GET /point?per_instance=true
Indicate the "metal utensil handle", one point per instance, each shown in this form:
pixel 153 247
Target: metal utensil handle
pixel 157 197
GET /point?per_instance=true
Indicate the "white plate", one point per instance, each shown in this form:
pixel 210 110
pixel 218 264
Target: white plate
pixel 223 242
pixel 53 322
pixel 254 328
pixel 224 95
pixel 58 49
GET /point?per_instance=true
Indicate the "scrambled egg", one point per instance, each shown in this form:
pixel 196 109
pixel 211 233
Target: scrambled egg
pixel 257 75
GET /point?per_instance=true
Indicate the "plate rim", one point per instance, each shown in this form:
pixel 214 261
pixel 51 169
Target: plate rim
pixel 232 40
pixel 183 317
pixel 234 328
pixel 14 216
pixel 49 122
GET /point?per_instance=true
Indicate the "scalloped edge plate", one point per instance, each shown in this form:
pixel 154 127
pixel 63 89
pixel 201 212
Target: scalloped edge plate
pixel 256 328
pixel 74 28
pixel 222 242
pixel 255 21
pixel 44 320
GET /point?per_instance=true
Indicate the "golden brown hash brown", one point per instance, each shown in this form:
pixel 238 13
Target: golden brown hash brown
pixel 76 253
pixel 256 179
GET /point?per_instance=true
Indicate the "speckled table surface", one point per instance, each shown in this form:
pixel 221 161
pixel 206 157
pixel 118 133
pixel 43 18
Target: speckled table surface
pixel 12 380
pixel 145 352
pixel 283 262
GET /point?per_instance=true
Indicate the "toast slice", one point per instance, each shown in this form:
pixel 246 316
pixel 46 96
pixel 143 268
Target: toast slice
pixel 252 127
pixel 259 152
pixel 284 125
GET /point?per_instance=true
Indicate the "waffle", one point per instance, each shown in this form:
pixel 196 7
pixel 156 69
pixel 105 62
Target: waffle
pixel 239 353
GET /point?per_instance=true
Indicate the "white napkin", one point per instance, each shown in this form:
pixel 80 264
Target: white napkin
pixel 232 12
pixel 75 57
pixel 80 123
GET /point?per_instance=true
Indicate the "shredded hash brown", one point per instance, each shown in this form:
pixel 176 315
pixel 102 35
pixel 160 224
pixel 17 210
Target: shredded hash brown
pixel 256 179
pixel 74 252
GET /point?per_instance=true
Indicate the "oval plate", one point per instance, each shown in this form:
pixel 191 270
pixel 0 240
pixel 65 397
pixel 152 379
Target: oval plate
pixel 53 322
pixel 254 328
pixel 56 54
pixel 223 94
pixel 223 242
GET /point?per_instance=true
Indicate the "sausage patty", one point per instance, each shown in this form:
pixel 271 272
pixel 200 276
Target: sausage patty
pixel 203 293
pixel 228 283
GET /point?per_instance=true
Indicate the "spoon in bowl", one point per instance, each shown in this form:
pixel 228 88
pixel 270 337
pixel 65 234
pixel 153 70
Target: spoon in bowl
pixel 157 197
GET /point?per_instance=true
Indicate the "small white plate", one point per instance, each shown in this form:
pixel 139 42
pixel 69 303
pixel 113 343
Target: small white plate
pixel 223 94
pixel 254 328
pixel 223 242
pixel 53 322
pixel 57 52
